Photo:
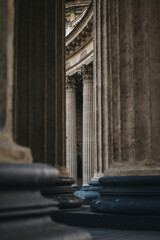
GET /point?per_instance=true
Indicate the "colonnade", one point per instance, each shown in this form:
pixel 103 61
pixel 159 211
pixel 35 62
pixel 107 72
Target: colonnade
pixel 121 110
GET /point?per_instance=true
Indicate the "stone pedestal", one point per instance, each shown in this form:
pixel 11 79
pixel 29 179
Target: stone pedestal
pixel 133 199
pixel 87 122
pixel 129 195
pixel 71 139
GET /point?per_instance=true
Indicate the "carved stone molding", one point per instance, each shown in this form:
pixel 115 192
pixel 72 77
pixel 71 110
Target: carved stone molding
pixel 80 39
pixel 83 54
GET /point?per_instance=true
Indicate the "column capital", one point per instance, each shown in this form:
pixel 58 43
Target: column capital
pixel 87 72
pixel 70 82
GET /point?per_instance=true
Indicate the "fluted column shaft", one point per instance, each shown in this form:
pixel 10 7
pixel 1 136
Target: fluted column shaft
pixel 100 95
pixel 40 80
pixel 126 86
pixel 71 138
pixel 87 122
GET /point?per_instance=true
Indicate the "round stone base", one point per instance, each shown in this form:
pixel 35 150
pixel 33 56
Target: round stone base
pixel 90 192
pixel 129 195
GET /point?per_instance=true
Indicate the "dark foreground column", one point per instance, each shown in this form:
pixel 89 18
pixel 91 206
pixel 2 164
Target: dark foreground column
pixel 40 85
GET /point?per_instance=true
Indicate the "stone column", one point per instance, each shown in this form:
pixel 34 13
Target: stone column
pixel 100 106
pixel 71 139
pixel 24 212
pixel 40 89
pixel 126 86
pixel 127 109
pixel 87 122
pixel 9 151
pixel 40 81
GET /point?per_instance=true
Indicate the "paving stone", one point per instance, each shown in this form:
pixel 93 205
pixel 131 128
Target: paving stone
pixel 111 234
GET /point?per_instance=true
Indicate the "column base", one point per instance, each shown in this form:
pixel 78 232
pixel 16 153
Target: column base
pixel 97 176
pixel 90 192
pixel 82 193
pixel 131 197
pixel 93 191
pixel 24 213
pixel 130 203
pixel 63 192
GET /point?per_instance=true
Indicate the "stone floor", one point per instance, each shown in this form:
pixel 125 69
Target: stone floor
pixel 110 234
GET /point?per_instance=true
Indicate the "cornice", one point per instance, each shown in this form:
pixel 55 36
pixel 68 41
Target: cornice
pixel 81 25
pixel 81 60
pixel 74 51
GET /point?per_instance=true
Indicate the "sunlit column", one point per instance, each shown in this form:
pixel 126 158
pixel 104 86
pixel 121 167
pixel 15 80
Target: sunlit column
pixel 87 122
pixel 71 138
